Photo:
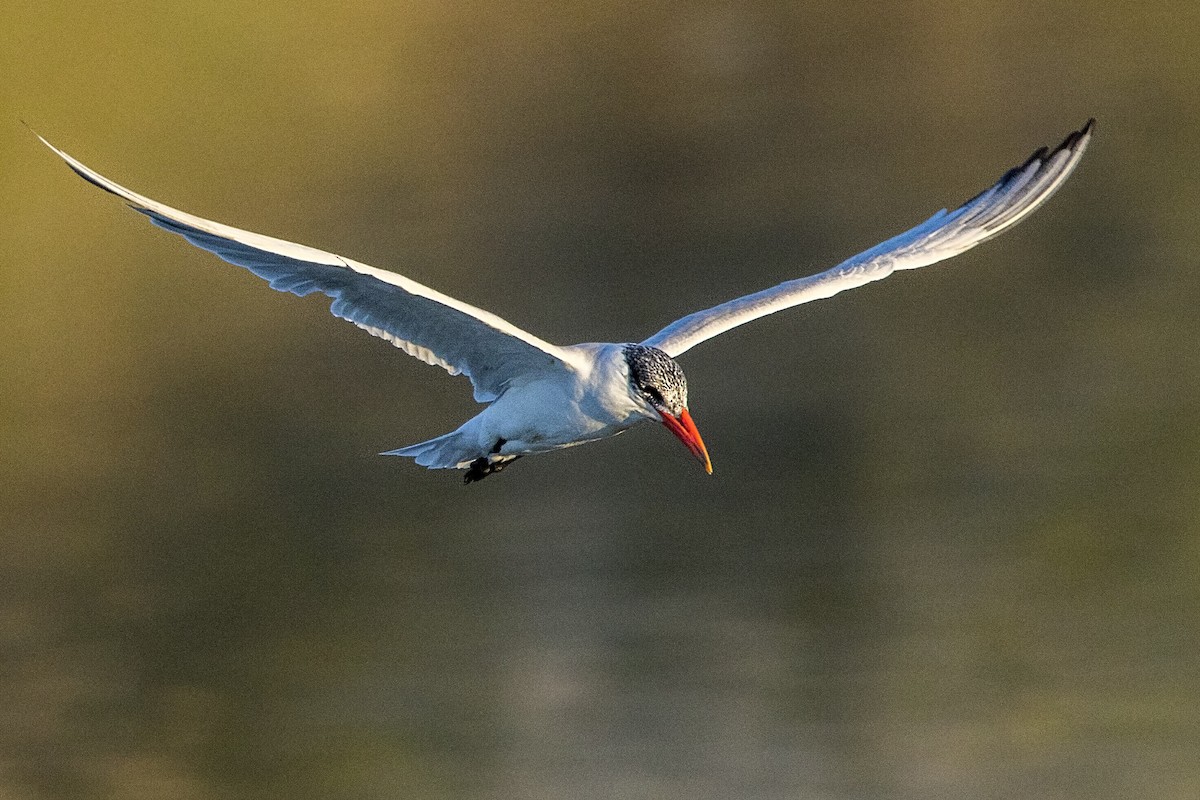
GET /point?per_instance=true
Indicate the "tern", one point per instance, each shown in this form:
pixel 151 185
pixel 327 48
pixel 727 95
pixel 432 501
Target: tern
pixel 541 396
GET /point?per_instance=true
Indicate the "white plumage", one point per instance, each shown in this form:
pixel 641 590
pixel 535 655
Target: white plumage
pixel 543 396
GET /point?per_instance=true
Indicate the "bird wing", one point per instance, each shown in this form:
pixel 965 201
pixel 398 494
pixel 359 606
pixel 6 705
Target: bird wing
pixel 942 236
pixel 424 323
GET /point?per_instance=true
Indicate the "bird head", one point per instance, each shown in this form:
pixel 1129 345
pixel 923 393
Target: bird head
pixel 659 388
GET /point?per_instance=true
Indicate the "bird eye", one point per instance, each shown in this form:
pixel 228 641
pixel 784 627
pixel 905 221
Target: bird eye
pixel 653 394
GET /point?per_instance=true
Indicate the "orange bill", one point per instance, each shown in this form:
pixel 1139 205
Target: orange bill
pixel 685 430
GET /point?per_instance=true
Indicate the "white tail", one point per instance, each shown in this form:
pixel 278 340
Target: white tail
pixel 449 451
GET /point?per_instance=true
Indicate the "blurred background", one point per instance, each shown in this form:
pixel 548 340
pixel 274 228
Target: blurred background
pixel 950 548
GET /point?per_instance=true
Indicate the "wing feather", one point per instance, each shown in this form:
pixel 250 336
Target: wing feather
pixel 422 322
pixel 944 235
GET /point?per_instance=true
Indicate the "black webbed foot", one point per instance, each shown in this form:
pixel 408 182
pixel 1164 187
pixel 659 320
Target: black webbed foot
pixel 482 467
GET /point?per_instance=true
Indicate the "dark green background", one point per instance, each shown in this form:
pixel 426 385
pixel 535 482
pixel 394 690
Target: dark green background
pixel 950 548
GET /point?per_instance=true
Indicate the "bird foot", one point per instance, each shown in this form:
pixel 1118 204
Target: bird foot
pixel 483 466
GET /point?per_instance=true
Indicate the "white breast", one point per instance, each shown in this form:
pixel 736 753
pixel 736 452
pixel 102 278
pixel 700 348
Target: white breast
pixel 560 410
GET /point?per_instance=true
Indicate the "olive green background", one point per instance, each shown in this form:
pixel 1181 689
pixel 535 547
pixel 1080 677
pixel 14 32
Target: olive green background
pixel 950 548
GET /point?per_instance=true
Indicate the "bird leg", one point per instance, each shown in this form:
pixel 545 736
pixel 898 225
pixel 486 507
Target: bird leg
pixel 485 465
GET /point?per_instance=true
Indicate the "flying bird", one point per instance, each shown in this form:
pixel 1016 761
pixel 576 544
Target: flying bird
pixel 542 396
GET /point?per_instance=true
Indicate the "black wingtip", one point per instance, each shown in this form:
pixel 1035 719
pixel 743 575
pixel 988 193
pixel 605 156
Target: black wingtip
pixel 1044 154
pixel 1041 156
pixel 70 165
pixel 90 179
pixel 1071 141
pixel 1075 137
